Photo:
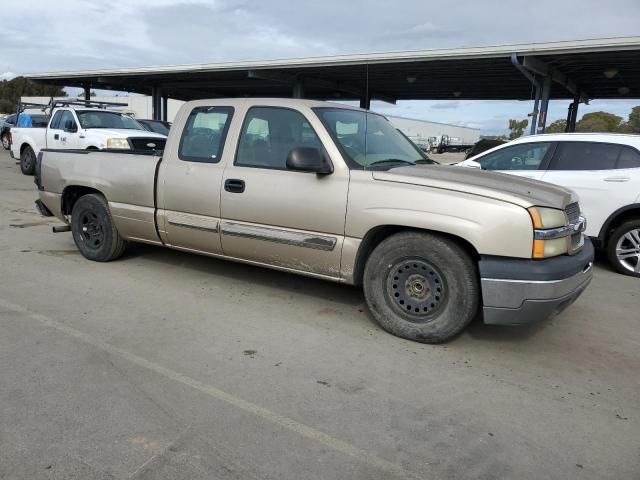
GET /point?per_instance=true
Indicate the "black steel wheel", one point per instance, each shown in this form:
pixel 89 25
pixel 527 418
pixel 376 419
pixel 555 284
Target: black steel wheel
pixel 27 161
pixel 421 286
pixel 93 230
pixel 416 288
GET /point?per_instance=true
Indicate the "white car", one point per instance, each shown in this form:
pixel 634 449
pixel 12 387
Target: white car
pixel 85 129
pixel 602 168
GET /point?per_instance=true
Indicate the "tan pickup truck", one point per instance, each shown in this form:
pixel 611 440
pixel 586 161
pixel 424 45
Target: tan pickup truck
pixel 337 193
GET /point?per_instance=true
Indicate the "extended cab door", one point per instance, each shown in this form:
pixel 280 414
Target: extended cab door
pixel 522 159
pixel 604 175
pixel 275 216
pixel 190 178
pixel 54 130
pixel 63 130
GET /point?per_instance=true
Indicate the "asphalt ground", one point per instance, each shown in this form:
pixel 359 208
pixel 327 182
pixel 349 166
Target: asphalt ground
pixel 166 365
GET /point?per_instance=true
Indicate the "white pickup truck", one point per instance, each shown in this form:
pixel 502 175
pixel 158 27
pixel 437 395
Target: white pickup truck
pixel 82 129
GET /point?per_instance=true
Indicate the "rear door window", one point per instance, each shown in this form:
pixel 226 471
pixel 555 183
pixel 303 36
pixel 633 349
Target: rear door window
pixel 585 156
pixel 204 134
pixel 629 158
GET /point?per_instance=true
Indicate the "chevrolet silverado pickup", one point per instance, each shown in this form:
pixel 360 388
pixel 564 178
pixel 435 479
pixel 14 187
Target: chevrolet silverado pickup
pixel 336 193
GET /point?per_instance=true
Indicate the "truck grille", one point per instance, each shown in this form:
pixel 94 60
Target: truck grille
pixel 147 143
pixel 573 215
pixel 573 212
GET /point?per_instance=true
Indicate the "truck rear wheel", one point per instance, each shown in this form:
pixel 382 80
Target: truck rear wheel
pixel 623 248
pixel 93 230
pixel 27 161
pixel 421 286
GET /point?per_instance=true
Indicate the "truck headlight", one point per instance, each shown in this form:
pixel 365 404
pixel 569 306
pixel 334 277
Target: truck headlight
pixel 119 143
pixel 544 218
pixel 551 232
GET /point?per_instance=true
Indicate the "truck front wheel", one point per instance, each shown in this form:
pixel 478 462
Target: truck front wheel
pixel 421 286
pixel 93 230
pixel 5 141
pixel 27 161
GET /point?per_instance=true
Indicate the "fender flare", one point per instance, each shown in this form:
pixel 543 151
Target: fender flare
pixel 607 224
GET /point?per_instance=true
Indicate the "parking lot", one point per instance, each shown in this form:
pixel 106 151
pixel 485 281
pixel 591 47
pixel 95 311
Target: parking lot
pixel 166 365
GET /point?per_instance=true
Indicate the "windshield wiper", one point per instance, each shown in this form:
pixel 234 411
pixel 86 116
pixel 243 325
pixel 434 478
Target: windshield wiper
pixel 390 160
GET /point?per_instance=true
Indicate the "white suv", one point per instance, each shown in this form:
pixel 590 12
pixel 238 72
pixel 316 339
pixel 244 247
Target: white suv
pixel 602 168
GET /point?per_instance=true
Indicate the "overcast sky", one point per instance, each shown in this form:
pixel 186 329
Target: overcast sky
pixel 45 35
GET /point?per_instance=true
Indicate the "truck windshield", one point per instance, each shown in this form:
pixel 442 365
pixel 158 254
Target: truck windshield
pixel 368 140
pixel 100 119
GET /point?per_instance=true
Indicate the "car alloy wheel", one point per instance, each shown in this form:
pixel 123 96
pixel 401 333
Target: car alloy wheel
pixel 628 250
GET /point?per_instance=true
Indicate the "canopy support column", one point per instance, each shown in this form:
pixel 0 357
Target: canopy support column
pixel 572 115
pixel 536 105
pixel 297 90
pixel 544 104
pixel 165 109
pixel 156 103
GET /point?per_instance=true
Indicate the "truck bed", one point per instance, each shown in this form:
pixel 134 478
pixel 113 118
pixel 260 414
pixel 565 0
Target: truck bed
pixel 125 178
pixel 32 136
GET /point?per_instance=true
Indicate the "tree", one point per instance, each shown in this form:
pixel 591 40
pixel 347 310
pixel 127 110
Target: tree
pixel 633 124
pixel 599 122
pixel 516 128
pixel 556 127
pixel 12 90
pixel 494 137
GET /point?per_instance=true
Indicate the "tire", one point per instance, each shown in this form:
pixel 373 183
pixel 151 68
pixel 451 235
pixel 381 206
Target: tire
pixel 5 142
pixel 421 287
pixel 27 161
pixel 93 230
pixel 623 248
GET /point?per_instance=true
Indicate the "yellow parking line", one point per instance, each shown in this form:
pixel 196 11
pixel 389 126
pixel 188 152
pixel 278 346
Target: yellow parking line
pixel 275 418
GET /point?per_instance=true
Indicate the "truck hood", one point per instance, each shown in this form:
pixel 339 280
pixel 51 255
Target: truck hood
pixel 509 188
pixel 125 133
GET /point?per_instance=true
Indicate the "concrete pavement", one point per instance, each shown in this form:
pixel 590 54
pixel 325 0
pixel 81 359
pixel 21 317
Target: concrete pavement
pixel 166 365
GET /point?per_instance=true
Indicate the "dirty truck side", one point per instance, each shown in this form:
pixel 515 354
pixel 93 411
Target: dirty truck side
pixel 332 192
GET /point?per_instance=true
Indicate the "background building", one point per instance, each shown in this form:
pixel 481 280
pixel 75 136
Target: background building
pixel 140 106
pixel 420 130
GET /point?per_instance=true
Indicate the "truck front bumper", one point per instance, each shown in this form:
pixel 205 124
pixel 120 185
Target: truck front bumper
pixel 517 291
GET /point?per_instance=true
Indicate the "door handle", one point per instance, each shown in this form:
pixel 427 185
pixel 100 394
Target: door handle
pixel 617 179
pixel 56 137
pixel 234 185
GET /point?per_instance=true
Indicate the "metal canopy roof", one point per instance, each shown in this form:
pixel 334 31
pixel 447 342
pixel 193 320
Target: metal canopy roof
pixel 482 73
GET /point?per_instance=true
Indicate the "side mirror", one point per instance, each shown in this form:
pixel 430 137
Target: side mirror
pixel 70 127
pixel 308 159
